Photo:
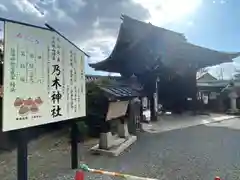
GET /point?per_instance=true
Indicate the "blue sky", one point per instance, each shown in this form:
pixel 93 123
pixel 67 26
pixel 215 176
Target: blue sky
pixel 216 25
pixel 94 25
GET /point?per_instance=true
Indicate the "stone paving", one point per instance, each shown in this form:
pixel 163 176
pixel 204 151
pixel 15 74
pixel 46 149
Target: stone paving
pixel 173 122
pixel 231 124
pixel 193 153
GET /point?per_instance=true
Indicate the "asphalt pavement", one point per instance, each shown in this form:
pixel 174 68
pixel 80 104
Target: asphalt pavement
pixel 194 153
pixel 200 152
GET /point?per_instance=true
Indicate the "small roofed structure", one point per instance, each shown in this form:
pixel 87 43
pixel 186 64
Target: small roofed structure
pixel 150 53
pixel 205 77
pixel 119 100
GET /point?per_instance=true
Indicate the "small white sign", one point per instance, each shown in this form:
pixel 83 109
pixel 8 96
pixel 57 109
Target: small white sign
pixel 213 95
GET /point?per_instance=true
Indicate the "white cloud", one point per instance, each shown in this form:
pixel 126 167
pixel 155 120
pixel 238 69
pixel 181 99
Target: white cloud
pixel 27 7
pixel 190 23
pixel 54 12
pixel 3 8
pixel 219 2
pixel 77 4
pixel 99 47
pixel 96 23
pixel 62 15
pixel 167 11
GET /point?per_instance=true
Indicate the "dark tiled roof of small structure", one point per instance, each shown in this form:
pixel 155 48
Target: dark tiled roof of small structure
pixel 120 91
pixel 214 83
pixel 118 87
pixel 115 80
pixel 90 78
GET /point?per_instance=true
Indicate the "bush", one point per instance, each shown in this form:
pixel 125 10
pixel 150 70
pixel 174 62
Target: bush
pixel 96 106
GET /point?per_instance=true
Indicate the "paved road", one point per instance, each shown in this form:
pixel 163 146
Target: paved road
pixel 200 152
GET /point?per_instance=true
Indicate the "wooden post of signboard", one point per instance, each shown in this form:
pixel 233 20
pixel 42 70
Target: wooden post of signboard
pixel 22 154
pixel 74 145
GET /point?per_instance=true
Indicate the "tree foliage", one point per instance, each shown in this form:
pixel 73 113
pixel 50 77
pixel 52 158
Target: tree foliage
pixel 96 105
pixel 96 101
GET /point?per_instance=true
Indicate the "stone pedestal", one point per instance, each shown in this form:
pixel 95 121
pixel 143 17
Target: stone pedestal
pixel 123 130
pixel 114 145
pixel 233 102
pixel 105 141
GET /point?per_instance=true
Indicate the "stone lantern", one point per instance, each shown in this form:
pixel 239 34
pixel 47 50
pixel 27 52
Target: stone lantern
pixel 233 98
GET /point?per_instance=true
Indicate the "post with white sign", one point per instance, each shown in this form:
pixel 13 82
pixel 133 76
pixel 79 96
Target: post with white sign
pixel 44 82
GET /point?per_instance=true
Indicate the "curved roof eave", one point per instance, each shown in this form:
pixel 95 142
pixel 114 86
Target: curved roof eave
pixel 233 55
pixel 97 64
pixel 131 25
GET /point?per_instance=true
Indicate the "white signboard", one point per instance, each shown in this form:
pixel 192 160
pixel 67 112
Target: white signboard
pixel 116 109
pixel 44 78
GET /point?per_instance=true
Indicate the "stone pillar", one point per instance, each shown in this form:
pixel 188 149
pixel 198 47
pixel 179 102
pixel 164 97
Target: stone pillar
pixel 141 110
pixel 233 101
pixel 233 104
pixel 154 102
pixel 123 129
pixel 106 139
pixel 153 108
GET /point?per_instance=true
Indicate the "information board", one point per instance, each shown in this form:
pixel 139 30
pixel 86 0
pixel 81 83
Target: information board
pixel 44 78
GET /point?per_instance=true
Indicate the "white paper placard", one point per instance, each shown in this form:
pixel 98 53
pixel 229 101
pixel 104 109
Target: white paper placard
pixel 116 109
pixel 44 78
pixel 213 95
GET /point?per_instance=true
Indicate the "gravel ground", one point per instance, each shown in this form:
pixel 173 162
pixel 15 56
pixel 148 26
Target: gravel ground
pixel 193 153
